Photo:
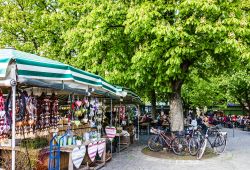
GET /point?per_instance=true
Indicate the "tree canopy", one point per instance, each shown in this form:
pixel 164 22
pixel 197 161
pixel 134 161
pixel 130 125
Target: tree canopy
pixel 142 44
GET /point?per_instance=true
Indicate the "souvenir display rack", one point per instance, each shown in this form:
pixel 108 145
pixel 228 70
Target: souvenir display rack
pixel 32 85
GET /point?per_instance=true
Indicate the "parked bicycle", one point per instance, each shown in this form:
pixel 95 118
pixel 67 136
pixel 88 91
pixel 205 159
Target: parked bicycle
pixel 218 143
pixel 161 139
pixel 194 141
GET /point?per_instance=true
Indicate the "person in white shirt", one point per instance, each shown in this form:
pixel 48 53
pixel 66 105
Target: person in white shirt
pixel 193 124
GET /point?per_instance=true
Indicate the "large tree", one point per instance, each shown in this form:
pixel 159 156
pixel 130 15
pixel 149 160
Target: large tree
pixel 239 88
pixel 178 36
pixel 198 92
pixel 103 47
pixel 146 45
pixel 35 26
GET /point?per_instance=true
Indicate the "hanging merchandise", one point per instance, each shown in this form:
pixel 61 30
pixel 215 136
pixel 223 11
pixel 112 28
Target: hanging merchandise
pixel 92 110
pixel 8 108
pixel 104 108
pixel 85 119
pixel 47 113
pixel 21 120
pixel 92 151
pixel 4 126
pixel 92 123
pixel 101 147
pixel 122 115
pixel 69 112
pixel 31 108
pixel 85 104
pixel 91 113
pixel 96 106
pixel 111 132
pixel 21 105
pixel 78 156
pixel 40 114
pixel 78 108
pixel 54 111
pixel 99 117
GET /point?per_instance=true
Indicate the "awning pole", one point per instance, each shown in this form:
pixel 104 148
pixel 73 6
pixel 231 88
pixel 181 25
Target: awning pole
pixel 13 139
pixel 138 117
pixel 111 119
pixel 119 124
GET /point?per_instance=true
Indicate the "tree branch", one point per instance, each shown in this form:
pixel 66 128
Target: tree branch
pixel 243 105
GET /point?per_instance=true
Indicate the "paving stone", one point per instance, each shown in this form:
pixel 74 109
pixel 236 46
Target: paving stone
pixel 236 157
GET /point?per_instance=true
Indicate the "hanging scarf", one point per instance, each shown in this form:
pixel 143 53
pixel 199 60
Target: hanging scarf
pixel 4 126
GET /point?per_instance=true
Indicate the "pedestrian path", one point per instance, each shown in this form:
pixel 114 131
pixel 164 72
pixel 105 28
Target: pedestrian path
pixel 236 157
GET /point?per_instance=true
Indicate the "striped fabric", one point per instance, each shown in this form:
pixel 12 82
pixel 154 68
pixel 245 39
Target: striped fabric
pixel 92 150
pixel 130 94
pixel 101 147
pixel 78 156
pixel 30 66
pixel 111 132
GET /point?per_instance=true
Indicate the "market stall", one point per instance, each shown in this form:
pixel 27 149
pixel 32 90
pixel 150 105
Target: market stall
pixel 124 118
pixel 43 98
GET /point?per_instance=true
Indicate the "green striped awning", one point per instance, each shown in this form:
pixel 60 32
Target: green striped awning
pixel 129 94
pixel 33 67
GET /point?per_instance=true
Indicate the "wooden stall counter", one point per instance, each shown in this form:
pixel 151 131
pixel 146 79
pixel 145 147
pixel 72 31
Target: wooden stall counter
pixel 67 155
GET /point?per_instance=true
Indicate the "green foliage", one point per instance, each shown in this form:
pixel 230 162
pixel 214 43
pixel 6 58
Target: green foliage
pixel 141 44
pixel 191 32
pixel 35 143
pixel 33 26
pixel 239 88
pixel 203 93
pixel 233 86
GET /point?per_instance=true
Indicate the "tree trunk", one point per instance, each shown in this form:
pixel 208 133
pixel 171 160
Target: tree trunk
pixel 153 103
pixel 176 108
pixel 245 105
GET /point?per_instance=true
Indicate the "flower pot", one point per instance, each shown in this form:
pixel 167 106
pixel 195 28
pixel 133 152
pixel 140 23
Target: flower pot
pixel 78 142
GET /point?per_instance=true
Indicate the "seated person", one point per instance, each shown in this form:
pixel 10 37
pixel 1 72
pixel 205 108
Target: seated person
pixel 193 124
pixel 203 123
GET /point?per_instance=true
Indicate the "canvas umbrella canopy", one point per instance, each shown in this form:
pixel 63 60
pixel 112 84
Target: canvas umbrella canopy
pixel 32 70
pixel 35 70
pixel 129 96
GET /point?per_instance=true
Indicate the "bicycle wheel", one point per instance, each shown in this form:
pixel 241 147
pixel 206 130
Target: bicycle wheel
pixel 179 145
pixel 202 149
pixel 193 146
pixel 155 143
pixel 220 144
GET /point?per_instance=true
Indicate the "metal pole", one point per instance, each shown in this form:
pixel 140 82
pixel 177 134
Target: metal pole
pixel 111 117
pixel 119 123
pixel 233 129
pixel 13 139
pixel 138 115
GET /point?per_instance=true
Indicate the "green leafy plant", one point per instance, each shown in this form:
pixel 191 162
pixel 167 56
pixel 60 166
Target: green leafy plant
pixel 78 138
pixel 36 143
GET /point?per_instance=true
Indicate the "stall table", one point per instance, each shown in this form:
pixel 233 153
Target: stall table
pixel 123 142
pixel 66 161
pixel 66 157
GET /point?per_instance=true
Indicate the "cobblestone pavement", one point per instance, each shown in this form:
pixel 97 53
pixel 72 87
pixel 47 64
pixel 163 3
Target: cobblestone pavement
pixel 236 157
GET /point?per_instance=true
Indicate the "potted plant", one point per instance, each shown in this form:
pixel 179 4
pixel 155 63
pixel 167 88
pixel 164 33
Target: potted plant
pixel 78 140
